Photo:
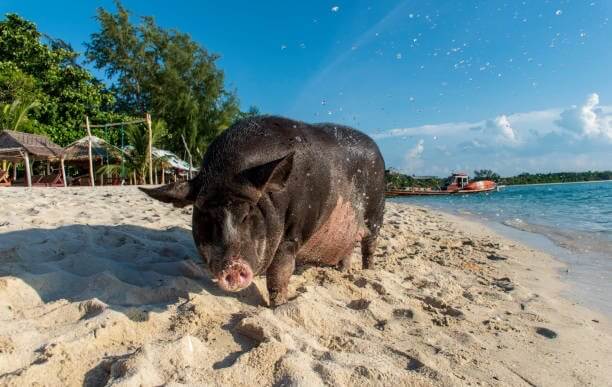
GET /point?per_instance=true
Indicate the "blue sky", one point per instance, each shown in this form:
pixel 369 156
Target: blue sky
pixel 441 85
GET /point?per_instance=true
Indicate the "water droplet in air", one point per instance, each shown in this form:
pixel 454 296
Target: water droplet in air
pixel 335 8
pixel 558 12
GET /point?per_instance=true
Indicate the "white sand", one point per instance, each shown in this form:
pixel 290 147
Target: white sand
pixel 104 287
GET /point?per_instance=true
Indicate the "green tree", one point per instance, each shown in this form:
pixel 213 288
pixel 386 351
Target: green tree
pixel 135 162
pixel 252 112
pixel 17 85
pixel 34 68
pixel 486 174
pixel 166 73
pixel 14 116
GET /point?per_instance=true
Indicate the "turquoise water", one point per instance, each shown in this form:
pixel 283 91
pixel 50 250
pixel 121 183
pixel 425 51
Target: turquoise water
pixel 575 217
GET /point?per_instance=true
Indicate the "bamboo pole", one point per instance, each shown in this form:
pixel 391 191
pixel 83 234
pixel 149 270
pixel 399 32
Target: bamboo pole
pixel 188 153
pixel 150 151
pixel 91 169
pixel 26 160
pixel 63 171
pixel 101 175
pixel 116 124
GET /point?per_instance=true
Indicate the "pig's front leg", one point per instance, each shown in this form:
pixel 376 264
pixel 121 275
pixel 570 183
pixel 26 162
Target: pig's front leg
pixel 279 273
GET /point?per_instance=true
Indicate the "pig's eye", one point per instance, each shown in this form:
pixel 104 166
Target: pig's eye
pixel 245 211
pixel 244 217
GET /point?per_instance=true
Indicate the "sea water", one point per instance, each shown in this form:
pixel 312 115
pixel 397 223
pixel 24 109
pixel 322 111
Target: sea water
pixel 572 221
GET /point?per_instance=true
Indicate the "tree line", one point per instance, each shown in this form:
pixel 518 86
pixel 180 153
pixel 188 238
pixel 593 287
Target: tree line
pixel 558 177
pixel 398 180
pixel 45 87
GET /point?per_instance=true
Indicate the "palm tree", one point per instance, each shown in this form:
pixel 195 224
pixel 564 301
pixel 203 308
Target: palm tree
pixel 13 115
pixel 161 163
pixel 135 159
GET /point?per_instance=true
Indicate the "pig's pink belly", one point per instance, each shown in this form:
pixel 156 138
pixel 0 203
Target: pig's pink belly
pixel 335 238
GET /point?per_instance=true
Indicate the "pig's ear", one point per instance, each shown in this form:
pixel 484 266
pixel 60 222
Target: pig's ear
pixel 180 194
pixel 271 176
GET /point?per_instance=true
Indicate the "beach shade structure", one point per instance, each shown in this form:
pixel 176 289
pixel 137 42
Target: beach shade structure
pixel 166 162
pixel 27 147
pixel 179 166
pixel 101 152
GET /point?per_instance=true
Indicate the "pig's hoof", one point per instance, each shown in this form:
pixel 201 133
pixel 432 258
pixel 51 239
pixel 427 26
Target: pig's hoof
pixel 277 299
pixel 344 265
pixel 367 264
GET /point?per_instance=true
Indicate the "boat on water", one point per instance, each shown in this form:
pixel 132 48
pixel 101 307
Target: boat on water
pixel 457 183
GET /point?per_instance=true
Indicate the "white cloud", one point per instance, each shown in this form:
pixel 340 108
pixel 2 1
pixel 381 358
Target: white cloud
pixel 503 131
pixel 588 120
pixel 539 121
pixel 507 131
pixel 431 130
pixel 544 140
pixel 417 151
pixel 413 161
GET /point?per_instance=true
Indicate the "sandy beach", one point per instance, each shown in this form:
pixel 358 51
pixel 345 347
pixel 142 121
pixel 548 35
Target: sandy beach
pixel 105 287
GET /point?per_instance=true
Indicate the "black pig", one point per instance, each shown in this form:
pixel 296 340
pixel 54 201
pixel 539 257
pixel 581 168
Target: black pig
pixel 274 193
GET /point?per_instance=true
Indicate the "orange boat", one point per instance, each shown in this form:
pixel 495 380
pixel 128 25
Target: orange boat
pixel 458 183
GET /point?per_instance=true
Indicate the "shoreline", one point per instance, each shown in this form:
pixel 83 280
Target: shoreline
pixel 567 182
pixel 105 287
pixel 579 278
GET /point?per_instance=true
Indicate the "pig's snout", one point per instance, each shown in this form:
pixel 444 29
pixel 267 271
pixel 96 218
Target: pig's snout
pixel 237 276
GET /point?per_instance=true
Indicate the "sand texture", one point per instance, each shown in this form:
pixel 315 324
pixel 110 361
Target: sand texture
pixel 104 287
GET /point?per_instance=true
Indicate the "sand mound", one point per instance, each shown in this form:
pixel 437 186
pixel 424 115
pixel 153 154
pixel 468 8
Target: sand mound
pixel 105 287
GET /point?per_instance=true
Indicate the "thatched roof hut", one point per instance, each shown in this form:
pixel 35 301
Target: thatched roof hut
pixel 17 146
pixel 13 145
pixel 100 150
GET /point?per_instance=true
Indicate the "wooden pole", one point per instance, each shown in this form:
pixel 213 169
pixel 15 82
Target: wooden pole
pixel 91 168
pixel 101 175
pixel 63 171
pixel 163 179
pixel 14 170
pixel 26 160
pixel 188 153
pixel 150 152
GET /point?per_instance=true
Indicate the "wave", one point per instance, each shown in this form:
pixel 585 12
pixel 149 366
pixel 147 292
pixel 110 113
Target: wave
pixel 573 240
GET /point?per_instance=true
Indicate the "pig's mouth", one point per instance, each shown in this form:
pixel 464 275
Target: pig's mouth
pixel 236 276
